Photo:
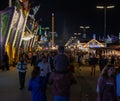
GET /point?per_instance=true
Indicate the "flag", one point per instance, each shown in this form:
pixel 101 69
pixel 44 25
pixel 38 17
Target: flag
pixel 18 4
pixel 108 36
pixel 114 38
pixel 94 36
pixel 26 4
pixel 35 10
pixel 108 39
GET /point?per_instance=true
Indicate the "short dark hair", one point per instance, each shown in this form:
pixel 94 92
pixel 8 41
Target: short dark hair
pixel 61 49
pixel 35 72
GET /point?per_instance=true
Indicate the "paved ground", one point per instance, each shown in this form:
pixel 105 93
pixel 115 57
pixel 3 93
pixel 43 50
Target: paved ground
pixel 84 90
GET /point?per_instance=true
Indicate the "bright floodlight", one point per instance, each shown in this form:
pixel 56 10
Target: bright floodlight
pixel 86 27
pixel 75 33
pixel 99 6
pixel 110 6
pixel 81 26
pixel 79 33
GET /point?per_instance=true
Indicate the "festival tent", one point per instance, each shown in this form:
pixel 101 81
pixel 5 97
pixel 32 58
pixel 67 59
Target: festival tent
pixel 93 43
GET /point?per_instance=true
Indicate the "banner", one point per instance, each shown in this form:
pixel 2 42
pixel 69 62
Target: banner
pixel 6 17
pixel 14 25
pixel 114 38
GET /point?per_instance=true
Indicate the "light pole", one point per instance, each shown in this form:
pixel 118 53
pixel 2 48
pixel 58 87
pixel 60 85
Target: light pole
pixel 53 30
pixel 84 30
pixel 77 35
pixel 105 9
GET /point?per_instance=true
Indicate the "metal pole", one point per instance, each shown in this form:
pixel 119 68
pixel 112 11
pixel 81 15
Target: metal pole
pixel 52 29
pixel 105 23
pixel 10 3
pixel 84 32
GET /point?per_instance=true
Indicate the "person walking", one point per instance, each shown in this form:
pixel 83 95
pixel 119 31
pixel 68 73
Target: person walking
pixel 62 78
pixel 34 59
pixel 100 63
pixel 61 61
pixel 106 87
pixel 37 85
pixel 79 61
pixel 51 60
pixel 22 68
pixel 94 62
pixel 5 61
pixel 103 61
pixel 45 70
pixel 44 67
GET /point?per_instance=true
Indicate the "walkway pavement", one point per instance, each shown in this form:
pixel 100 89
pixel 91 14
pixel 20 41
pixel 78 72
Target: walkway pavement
pixel 9 86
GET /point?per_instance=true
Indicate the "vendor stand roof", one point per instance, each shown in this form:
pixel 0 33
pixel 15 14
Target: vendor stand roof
pixel 94 44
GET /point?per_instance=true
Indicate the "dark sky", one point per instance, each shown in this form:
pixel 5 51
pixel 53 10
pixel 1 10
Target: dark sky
pixel 71 14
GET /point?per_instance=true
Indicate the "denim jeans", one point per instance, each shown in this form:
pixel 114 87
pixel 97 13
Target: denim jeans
pixel 61 98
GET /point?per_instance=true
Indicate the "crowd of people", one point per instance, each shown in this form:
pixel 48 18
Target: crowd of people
pixel 57 70
pixel 52 69
pixel 108 85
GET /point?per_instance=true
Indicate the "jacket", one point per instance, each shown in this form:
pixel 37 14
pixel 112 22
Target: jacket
pixel 61 83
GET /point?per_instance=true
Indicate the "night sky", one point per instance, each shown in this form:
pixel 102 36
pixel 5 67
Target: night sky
pixel 71 14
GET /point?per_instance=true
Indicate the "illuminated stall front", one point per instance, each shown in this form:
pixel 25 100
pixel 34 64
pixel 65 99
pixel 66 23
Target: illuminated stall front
pixel 93 45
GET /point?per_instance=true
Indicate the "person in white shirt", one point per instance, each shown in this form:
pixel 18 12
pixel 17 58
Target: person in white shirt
pixel 44 67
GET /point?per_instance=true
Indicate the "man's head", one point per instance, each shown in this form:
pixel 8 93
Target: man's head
pixel 61 49
pixel 44 59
